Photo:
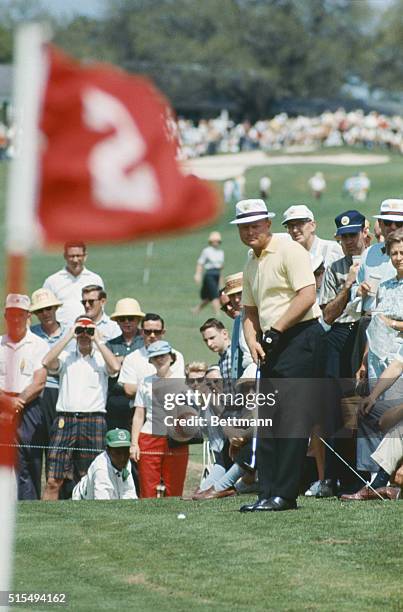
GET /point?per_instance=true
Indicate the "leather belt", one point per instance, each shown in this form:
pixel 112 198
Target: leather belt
pixel 80 415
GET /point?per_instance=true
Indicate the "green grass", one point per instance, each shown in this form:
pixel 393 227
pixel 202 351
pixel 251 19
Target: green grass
pixel 138 556
pixel 171 291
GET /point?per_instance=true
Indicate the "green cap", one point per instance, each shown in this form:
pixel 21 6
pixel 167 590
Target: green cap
pixel 116 438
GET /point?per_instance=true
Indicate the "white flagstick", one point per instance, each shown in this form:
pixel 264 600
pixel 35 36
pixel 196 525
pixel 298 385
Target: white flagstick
pixel 30 73
pixel 149 254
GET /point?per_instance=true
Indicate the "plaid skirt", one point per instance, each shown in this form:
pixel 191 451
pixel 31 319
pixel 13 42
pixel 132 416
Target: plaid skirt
pixel 76 437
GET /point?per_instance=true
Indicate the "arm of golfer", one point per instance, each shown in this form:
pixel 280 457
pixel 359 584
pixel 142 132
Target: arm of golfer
pixel 303 300
pixel 251 330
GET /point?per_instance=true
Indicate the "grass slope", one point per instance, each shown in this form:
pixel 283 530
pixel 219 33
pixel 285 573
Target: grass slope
pixel 138 556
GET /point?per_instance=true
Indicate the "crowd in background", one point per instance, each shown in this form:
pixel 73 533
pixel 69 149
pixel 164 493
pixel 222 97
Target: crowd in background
pixel 223 135
pixel 330 129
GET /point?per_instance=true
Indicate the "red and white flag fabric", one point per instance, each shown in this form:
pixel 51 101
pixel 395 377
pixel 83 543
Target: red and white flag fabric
pixel 108 168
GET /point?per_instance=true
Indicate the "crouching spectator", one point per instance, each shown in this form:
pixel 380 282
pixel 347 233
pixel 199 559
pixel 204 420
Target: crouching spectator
pixel 109 475
pixel 79 427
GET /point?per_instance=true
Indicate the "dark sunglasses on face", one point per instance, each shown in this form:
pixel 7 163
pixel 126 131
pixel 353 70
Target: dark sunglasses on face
pixel 46 309
pixel 212 381
pixel 89 302
pixel 156 332
pixel 193 381
pixel 389 223
pixel 129 318
pixel 90 331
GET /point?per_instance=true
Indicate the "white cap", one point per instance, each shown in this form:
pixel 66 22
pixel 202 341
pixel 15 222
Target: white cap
pixel 298 211
pixel 391 210
pixel 248 211
pixel 16 300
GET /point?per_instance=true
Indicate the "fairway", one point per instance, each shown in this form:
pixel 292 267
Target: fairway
pixel 138 556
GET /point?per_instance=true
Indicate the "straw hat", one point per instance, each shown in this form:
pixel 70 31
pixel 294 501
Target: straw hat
pixel 43 298
pixel 127 307
pixel 248 211
pixel 233 283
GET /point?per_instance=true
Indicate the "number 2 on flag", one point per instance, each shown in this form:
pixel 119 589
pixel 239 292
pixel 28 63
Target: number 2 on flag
pixel 121 179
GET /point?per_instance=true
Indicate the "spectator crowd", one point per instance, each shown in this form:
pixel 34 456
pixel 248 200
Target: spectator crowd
pixel 89 390
pixel 330 129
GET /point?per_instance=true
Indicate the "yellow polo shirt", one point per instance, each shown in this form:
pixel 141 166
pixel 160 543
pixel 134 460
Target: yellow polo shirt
pixel 271 281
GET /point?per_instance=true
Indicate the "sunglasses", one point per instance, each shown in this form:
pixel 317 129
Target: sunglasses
pixel 90 331
pixel 212 381
pixel 193 381
pixel 89 302
pixel 46 309
pixel 128 318
pixel 156 332
pixel 389 223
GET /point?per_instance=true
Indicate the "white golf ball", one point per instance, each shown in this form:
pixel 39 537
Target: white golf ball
pixel 181 516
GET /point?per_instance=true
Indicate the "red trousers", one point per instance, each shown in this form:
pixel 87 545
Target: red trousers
pixel 167 464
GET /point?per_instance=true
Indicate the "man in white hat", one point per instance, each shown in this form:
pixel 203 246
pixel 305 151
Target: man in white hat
pixel 281 329
pixel 66 284
pixel 44 305
pixel 128 315
pixel 301 225
pixel 22 379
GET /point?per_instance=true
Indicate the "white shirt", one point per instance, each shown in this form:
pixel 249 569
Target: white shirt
pixel 67 289
pixel 108 329
pixel 136 366
pixel 25 357
pixel 151 395
pixel 104 481
pixel 83 382
pixel 329 249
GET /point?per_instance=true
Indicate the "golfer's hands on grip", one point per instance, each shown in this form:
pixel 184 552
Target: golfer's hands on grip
pixel 257 352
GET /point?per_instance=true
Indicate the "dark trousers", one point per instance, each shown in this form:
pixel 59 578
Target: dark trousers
pixel 281 450
pixel 31 431
pixel 48 406
pixel 339 368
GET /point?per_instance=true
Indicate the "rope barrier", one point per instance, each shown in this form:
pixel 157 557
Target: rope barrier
pixel 73 448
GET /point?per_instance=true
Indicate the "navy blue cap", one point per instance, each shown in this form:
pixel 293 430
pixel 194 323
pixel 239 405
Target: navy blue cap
pixel 349 222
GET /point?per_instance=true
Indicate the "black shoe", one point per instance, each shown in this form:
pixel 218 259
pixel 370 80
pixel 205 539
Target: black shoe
pixel 277 504
pixel 253 506
pixel 325 489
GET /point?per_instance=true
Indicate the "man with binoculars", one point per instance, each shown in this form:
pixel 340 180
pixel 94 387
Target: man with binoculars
pixel 79 427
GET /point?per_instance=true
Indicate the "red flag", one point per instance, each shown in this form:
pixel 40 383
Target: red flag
pixel 108 168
